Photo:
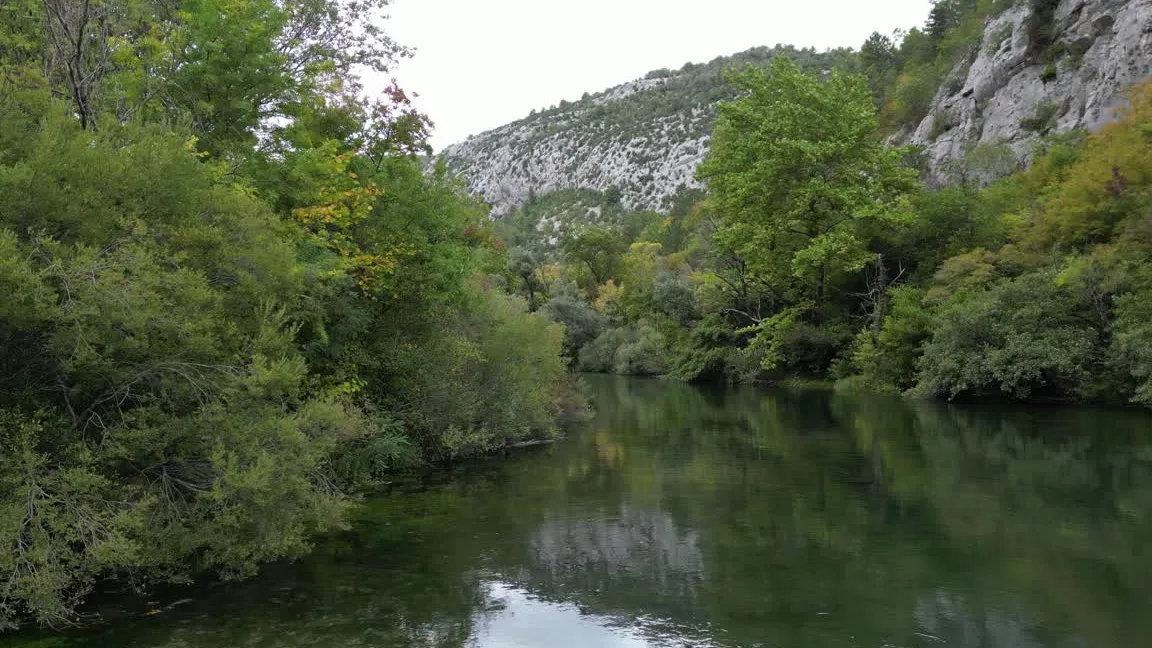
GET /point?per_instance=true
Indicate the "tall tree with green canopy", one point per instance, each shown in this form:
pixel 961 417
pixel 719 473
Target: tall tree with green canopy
pixel 801 185
pixel 796 172
pixel 597 249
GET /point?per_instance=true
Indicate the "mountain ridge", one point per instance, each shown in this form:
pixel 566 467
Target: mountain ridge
pixel 1006 92
pixel 645 136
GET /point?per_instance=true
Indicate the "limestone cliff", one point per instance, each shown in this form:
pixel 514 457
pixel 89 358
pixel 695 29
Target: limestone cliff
pixel 1043 67
pixel 645 137
pixel 1012 90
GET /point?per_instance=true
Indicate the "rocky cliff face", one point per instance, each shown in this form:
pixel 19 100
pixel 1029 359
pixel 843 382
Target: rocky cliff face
pixel 645 137
pixel 571 150
pixel 1013 90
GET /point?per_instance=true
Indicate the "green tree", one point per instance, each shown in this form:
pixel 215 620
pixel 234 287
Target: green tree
pixel 525 265
pixel 239 298
pixel 597 249
pixel 582 323
pixel 796 172
pixel 160 423
pixel 947 15
pixel 879 61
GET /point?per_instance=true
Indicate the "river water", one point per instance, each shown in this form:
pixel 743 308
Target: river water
pixel 683 517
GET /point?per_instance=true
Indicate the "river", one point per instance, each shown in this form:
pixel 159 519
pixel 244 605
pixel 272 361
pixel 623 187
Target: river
pixel 685 517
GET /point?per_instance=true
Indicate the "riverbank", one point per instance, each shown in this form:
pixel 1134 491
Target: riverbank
pixel 719 518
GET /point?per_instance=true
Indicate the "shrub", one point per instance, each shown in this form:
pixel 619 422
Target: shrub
pixel 582 323
pixel 487 377
pixel 639 351
pixel 1132 343
pixel 600 355
pixel 1021 339
pixel 1043 119
pixel 888 360
pixel 1040 27
pixel 644 354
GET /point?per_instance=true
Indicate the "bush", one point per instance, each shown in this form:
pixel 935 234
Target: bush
pixel 643 355
pixel 582 323
pixel 709 353
pixel 487 377
pixel 1132 345
pixel 600 355
pixel 1043 119
pixel 158 423
pixel 1021 339
pixel 888 360
pixel 673 297
pixel 639 351
pixel 1040 27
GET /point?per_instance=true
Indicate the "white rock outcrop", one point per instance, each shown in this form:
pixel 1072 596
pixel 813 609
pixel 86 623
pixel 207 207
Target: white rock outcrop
pixel 1010 95
pixel 1006 94
pixel 572 149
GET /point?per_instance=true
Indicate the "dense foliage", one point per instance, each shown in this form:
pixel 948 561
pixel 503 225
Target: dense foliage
pixel 816 254
pixel 232 298
pixel 641 139
pixel 906 70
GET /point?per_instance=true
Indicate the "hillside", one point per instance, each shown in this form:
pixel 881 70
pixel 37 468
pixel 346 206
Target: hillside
pixel 1040 69
pixel 991 78
pixel 646 136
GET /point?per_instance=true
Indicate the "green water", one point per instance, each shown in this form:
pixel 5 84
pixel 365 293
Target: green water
pixel 689 518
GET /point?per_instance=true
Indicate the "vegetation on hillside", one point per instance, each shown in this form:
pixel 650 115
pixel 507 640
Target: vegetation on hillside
pixel 816 254
pixel 232 297
pixel 906 71
pixel 646 136
pixel 642 138
pixel 693 90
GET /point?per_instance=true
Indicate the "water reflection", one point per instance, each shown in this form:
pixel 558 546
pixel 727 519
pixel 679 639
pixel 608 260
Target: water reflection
pixel 688 517
pixel 521 620
pixel 635 542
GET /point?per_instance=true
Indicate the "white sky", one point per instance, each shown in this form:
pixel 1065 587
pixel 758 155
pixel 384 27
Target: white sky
pixel 483 63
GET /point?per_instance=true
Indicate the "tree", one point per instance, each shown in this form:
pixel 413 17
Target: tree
pixel 1022 338
pixel 613 195
pixel 878 52
pixel 947 15
pixel 597 249
pixel 158 382
pixel 879 61
pixel 582 323
pixel 941 18
pixel 796 173
pixel 240 299
pixel 81 33
pixel 525 265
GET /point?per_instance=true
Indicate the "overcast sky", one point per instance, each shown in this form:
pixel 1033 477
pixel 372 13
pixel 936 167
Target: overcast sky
pixel 483 63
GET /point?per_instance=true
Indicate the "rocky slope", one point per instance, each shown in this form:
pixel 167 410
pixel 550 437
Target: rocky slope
pixel 1043 67
pixel 646 137
pixel 1014 90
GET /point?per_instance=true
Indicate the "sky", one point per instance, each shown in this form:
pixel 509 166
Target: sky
pixel 480 64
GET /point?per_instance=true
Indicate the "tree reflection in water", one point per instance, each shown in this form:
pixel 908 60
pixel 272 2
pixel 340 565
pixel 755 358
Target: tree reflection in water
pixel 730 517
